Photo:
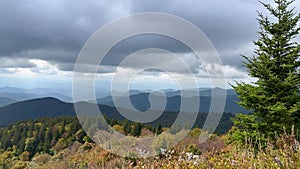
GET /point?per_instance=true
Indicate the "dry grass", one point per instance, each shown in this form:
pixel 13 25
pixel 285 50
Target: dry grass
pixel 213 155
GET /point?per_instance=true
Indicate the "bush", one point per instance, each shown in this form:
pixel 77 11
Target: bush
pixel 25 156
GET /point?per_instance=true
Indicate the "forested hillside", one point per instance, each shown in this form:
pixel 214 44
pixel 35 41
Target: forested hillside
pixel 47 135
pixel 59 142
pixel 51 107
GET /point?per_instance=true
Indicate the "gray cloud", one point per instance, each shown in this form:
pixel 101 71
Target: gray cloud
pixel 51 26
pixel 55 31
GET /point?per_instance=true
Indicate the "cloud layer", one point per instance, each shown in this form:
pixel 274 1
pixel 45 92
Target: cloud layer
pixel 53 32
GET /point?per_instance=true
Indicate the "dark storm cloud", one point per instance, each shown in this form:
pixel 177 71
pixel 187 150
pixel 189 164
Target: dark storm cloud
pixel 56 30
pixel 228 25
pixel 51 30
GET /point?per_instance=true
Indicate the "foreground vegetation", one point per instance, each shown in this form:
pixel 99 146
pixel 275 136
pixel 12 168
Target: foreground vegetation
pixel 26 146
pixel 214 153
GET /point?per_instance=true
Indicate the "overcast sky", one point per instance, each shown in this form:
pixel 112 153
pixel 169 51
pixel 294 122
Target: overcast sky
pixel 40 40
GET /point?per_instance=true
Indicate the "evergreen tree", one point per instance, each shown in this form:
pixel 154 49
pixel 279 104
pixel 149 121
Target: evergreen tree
pixel 127 127
pixel 136 129
pixel 274 98
pixel 158 129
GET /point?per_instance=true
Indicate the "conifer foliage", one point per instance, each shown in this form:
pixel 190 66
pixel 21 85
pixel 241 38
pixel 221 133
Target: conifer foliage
pixel 274 98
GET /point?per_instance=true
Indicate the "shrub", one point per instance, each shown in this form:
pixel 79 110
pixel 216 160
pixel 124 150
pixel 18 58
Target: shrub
pixel 25 156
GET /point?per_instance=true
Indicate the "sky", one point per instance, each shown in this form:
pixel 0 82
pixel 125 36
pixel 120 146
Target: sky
pixel 41 40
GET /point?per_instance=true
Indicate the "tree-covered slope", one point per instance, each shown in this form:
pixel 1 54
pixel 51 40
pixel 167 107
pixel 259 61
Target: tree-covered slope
pixel 32 109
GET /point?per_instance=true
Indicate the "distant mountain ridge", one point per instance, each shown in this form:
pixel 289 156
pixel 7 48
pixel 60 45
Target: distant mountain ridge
pixel 6 101
pixel 42 107
pixel 52 107
pixel 140 101
pixel 33 106
pixel 32 109
pixel 19 94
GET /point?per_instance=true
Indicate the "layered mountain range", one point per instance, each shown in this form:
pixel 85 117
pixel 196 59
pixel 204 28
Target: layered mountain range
pixel 19 104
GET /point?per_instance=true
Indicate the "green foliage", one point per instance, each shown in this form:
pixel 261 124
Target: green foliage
pixel 51 135
pixel 133 129
pixel 195 133
pixel 195 155
pixel 136 130
pixel 118 128
pixel 192 148
pixel 126 127
pixel 33 137
pixel 158 129
pixel 274 98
